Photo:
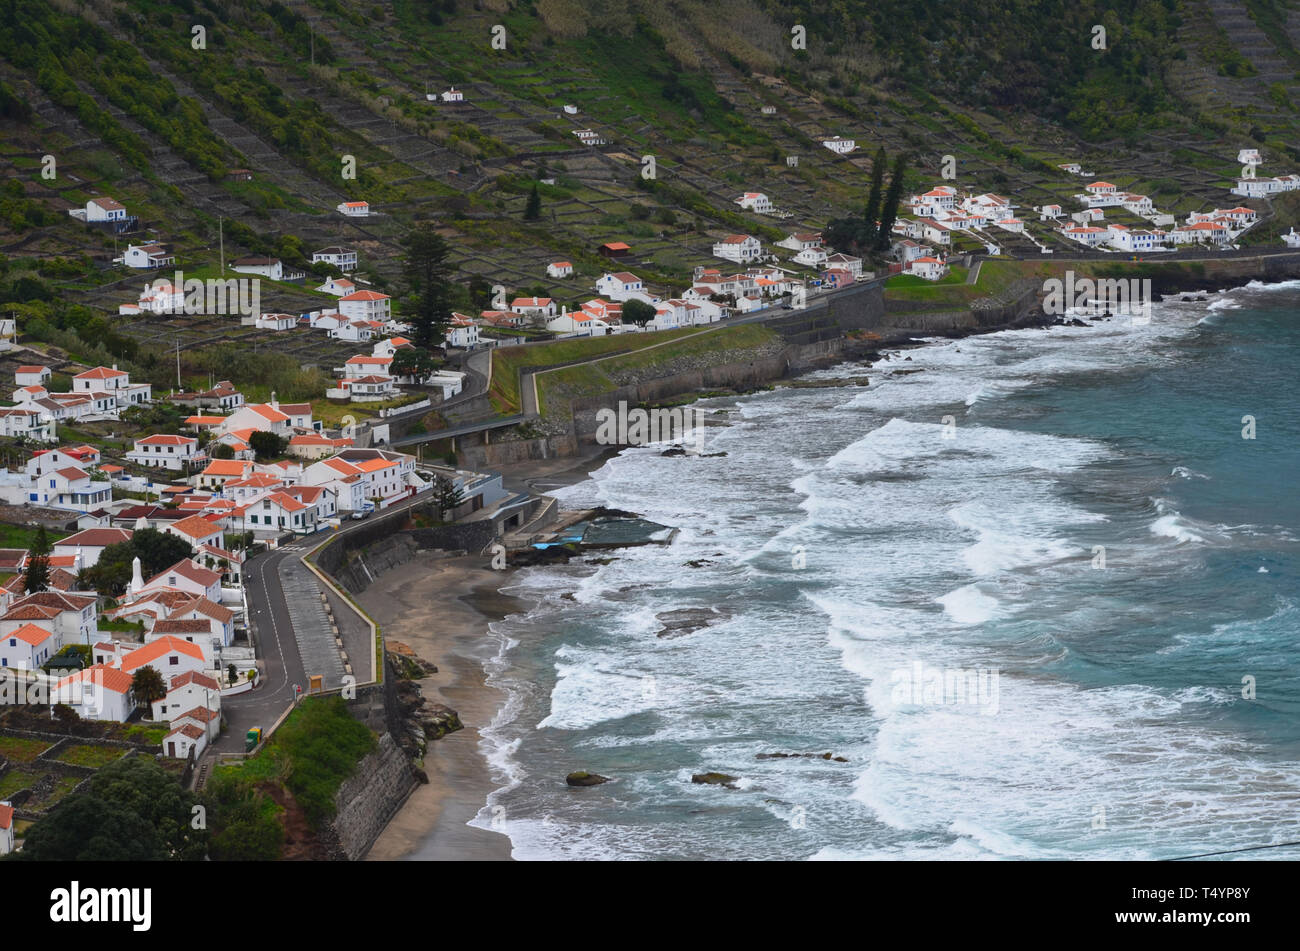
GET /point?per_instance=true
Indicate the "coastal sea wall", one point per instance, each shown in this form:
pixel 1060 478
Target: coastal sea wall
pixel 356 559
pixel 369 798
pixel 850 327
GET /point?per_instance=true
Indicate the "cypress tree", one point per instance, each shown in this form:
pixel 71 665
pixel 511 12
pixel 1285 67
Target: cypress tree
pixel 892 197
pixel 873 197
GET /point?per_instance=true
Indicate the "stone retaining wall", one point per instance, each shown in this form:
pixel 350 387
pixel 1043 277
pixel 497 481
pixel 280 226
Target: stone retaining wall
pixel 371 797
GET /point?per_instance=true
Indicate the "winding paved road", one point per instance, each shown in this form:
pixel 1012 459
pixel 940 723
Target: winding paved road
pixel 287 624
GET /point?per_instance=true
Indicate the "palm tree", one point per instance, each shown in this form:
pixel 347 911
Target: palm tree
pixel 148 687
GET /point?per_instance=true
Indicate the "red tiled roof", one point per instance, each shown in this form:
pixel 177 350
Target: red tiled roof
pixel 159 648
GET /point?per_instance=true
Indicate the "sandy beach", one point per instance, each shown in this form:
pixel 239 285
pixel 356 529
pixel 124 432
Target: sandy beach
pixel 441 608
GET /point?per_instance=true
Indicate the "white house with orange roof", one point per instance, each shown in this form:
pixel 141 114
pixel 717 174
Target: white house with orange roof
pixel 353 209
pixel 533 306
pixel 937 202
pixel 363 365
pixel 31 375
pixel 147 256
pixel 1089 235
pixel 188 577
pixel 380 474
pixel 170 656
pixel 220 471
pixel 91 543
pixel 741 248
pixel 72 617
pixel 622 286
pixel 167 451
pixel 756 202
pixel 262 417
pixel 196 530
pixel 114 382
pixel 105 209
pixel 59 481
pixel 25 422
pixel 1124 238
pixel 316 446
pixel 277 513
pixel 27 647
pixel 1101 195
pixel 275 322
pixel 801 240
pixel 386 348
pixel 936 232
pixel 366 305
pixel 462 332
pixel 254 486
pixel 100 692
pixel 1201 232
pixel 559 269
pixel 185 692
pixel 928 268
pixel 345 259
pixel 577 323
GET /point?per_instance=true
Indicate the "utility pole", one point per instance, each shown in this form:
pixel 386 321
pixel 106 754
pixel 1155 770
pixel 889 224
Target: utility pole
pixel 221 236
pixel 311 30
pixel 178 363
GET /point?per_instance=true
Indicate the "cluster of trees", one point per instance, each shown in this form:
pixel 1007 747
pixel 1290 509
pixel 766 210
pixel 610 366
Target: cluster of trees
pixel 156 550
pixel 132 810
pixel 871 232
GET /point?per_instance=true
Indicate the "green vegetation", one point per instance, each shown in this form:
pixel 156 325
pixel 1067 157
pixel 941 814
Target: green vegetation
pixel 310 755
pixel 23 536
pixel 20 749
pixel 508 361
pixel 156 550
pixel 554 389
pixel 95 757
pixel 132 810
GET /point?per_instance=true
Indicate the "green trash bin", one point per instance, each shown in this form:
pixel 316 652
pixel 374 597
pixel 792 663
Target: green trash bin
pixel 252 739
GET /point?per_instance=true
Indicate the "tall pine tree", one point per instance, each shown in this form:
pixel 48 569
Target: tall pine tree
pixel 872 212
pixel 889 214
pixel 428 283
pixel 533 210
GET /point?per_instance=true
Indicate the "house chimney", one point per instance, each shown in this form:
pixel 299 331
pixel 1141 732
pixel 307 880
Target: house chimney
pixel 275 402
pixel 114 366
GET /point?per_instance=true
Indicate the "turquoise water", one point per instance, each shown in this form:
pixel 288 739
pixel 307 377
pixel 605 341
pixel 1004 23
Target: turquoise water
pixel 910 575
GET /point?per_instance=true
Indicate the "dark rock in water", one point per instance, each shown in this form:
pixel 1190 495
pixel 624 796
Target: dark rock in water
pixel 687 620
pixel 829 756
pixel 584 778
pixel 568 596
pixel 713 455
pixel 673 451
pixel 715 779
pixel 697 563
pixel 906 372
pixel 602 512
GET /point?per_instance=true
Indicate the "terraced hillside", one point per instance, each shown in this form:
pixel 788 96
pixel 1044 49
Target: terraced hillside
pixel 156 103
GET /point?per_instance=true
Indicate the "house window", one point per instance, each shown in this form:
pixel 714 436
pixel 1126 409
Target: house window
pixel 173 660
